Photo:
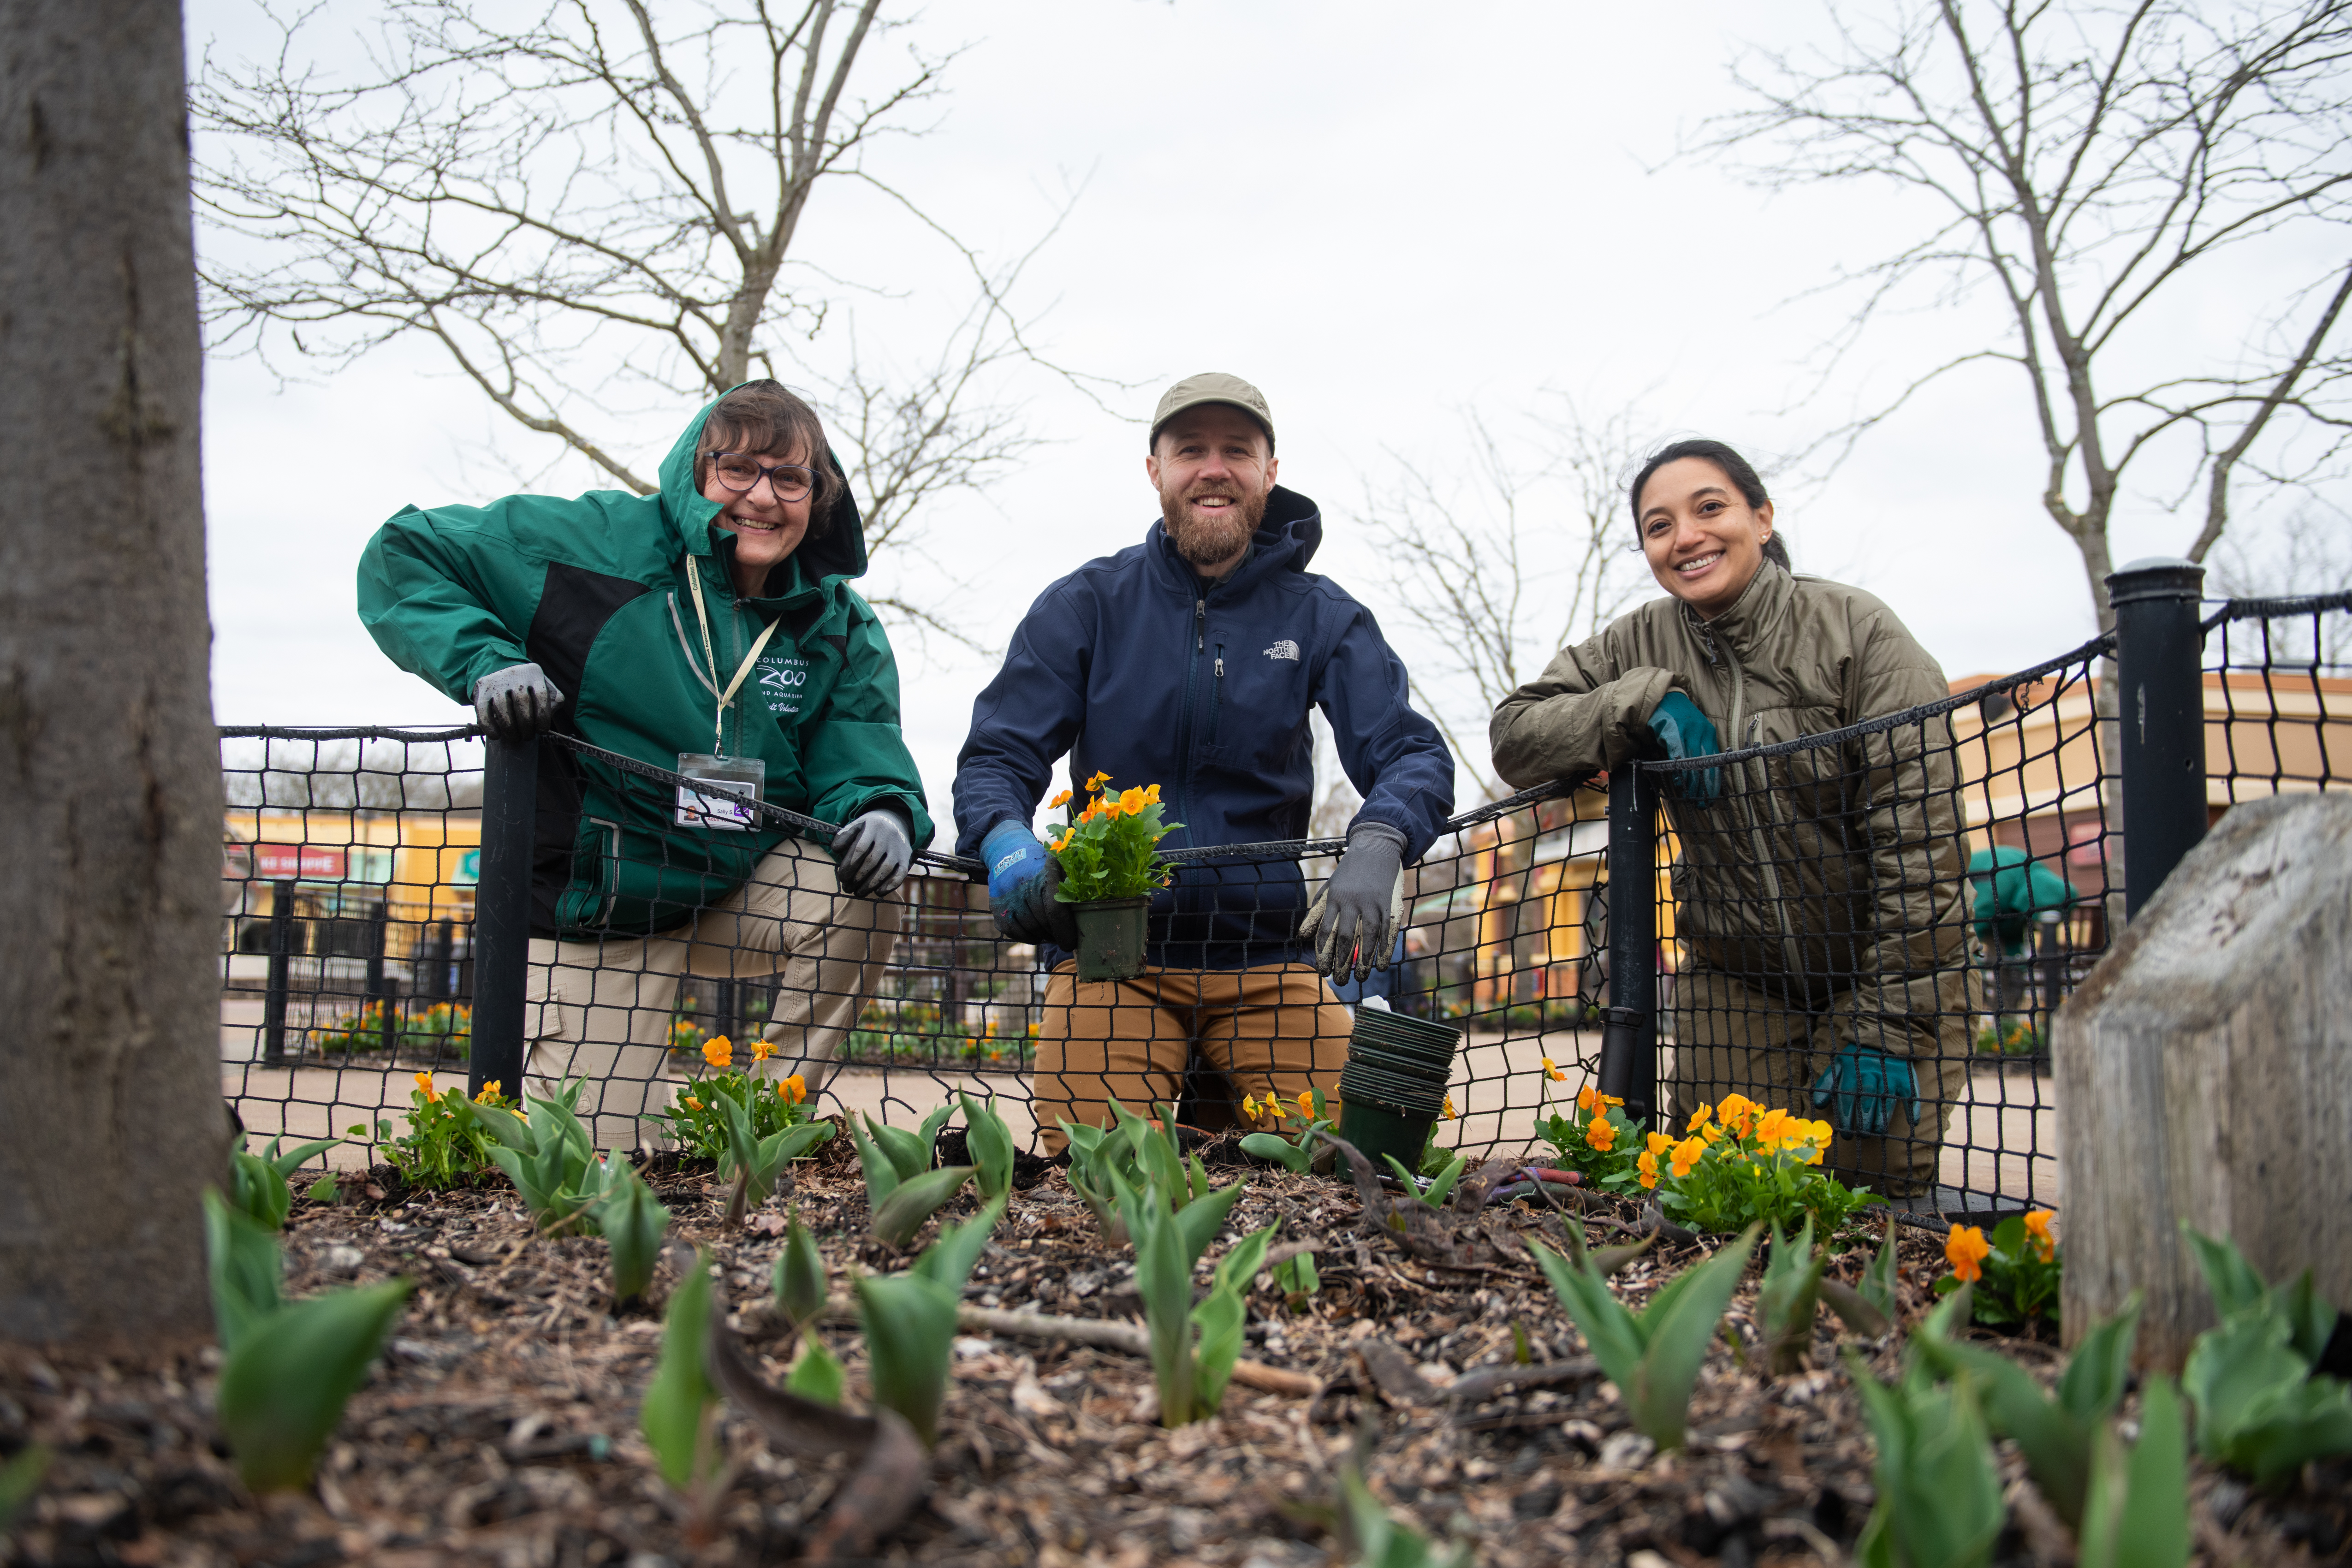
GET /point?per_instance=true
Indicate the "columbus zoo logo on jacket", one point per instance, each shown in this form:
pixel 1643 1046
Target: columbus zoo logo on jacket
pixel 781 678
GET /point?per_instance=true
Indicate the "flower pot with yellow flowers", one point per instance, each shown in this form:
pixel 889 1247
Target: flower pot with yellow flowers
pixel 1110 867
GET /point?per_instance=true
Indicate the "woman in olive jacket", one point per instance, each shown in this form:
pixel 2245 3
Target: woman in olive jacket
pixel 1818 891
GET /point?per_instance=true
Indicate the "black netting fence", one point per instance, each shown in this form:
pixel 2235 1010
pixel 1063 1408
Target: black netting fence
pixel 1924 887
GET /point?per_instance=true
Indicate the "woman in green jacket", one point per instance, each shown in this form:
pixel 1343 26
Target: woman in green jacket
pixel 1818 892
pixel 709 629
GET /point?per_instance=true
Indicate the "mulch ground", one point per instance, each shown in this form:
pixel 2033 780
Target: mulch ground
pixel 500 1427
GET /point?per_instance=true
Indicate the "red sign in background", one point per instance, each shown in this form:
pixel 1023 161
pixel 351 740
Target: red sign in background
pixel 298 862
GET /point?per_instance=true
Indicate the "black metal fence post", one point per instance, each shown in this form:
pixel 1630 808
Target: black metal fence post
pixel 2053 975
pixel 379 988
pixel 2160 710
pixel 501 944
pixel 281 951
pixel 1629 1033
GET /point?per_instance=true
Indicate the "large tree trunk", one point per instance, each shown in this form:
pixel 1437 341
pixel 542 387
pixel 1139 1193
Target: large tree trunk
pixel 111 1118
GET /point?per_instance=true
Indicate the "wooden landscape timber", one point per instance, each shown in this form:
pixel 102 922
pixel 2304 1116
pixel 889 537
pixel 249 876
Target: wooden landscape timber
pixel 2204 1075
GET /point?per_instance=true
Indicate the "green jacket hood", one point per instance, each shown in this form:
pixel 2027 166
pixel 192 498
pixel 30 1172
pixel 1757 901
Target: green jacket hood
pixel 835 555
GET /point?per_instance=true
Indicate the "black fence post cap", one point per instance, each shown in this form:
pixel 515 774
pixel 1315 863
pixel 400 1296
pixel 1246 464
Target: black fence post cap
pixel 2156 577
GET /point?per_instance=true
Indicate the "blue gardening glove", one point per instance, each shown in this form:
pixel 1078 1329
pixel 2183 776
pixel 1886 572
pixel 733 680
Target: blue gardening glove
pixel 1863 1084
pixel 871 854
pixel 1022 882
pixel 1355 915
pixel 1686 732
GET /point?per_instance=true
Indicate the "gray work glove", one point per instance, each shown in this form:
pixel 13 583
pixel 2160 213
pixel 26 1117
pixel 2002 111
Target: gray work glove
pixel 516 703
pixel 871 853
pixel 1355 915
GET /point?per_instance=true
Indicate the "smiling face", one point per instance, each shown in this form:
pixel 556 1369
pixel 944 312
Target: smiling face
pixel 1704 541
pixel 767 531
pixel 1214 468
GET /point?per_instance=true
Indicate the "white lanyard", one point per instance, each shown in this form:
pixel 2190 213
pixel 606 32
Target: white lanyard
pixel 702 618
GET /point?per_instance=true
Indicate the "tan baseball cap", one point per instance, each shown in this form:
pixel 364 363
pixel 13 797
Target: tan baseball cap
pixel 1212 387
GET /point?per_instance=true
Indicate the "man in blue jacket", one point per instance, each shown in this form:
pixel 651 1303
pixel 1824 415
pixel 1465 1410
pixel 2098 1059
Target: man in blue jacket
pixel 1191 661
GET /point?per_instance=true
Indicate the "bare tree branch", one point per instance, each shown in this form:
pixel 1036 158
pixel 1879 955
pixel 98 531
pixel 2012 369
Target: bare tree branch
pixel 571 204
pixel 2091 163
pixel 1501 569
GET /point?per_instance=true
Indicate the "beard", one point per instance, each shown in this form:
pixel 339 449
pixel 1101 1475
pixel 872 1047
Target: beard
pixel 1211 538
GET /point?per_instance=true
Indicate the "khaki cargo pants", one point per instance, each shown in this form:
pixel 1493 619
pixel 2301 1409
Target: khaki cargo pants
pixel 1729 1036
pixel 601 1010
pixel 1274 1030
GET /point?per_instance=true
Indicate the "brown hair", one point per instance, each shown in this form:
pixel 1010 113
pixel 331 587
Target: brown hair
pixel 762 416
pixel 1737 469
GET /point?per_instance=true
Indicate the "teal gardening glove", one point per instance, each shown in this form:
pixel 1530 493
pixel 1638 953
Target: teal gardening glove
pixel 1686 732
pixel 1863 1084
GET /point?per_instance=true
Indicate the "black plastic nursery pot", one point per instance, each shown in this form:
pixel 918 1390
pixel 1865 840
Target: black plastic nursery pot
pixel 1111 933
pixel 1376 1130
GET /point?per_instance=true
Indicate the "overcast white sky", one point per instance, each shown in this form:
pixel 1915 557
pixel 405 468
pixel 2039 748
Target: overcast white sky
pixel 1381 214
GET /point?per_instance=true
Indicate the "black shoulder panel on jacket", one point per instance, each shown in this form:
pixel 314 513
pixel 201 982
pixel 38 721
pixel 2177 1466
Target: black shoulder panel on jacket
pixel 573 607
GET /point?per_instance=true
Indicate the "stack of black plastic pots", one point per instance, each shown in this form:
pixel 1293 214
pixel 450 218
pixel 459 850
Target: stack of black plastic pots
pixel 1392 1089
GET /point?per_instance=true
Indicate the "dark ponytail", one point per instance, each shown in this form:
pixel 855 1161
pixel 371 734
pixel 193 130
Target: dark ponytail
pixel 1737 469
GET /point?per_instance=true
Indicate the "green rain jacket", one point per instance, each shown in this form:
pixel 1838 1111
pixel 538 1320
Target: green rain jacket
pixel 2007 888
pixel 593 591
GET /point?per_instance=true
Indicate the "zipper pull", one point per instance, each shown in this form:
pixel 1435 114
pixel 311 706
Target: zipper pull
pixel 1200 625
pixel 1221 667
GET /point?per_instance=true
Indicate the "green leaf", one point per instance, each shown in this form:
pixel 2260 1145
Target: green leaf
pixel 2235 1285
pixel 1609 1330
pixel 1441 1187
pixel 1788 1297
pixel 681 1393
pixel 323 1190
pixel 909 1337
pixel 909 1156
pixel 990 1143
pixel 881 1176
pixel 2057 1446
pixel 800 1275
pixel 1198 1222
pixel 1221 1319
pixel 816 1375
pixel 283 1388
pixel 1281 1151
pixel 2137 1513
pixel 509 1130
pixel 1939 1503
pixel 1678 1330
pixel 898 1216
pixel 2093 1385
pixel 294 1159
pixel 20 1478
pixel 1880 1283
pixel 634 1222
pixel 2310 1319
pixel 260 1191
pixel 1163 1279
pixel 247 1269
pixel 2259 1410
pixel 949 1260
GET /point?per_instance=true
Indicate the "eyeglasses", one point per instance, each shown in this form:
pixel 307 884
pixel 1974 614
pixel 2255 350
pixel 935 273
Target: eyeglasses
pixel 790 481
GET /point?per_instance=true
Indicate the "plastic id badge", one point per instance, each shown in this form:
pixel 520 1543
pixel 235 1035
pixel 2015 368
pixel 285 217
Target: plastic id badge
pixel 738 777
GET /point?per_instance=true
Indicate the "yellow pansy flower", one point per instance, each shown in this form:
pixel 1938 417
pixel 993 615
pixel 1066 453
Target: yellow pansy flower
pixel 720 1053
pixel 2038 1236
pixel 424 1082
pixel 795 1088
pixel 762 1050
pixel 1686 1155
pixel 490 1092
pixel 1648 1165
pixel 1601 1134
pixel 1552 1071
pixel 1966 1250
pixel 1445 1113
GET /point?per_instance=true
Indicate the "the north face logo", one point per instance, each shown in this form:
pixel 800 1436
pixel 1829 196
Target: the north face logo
pixel 1285 648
